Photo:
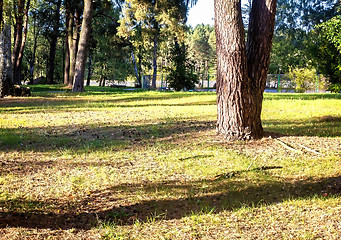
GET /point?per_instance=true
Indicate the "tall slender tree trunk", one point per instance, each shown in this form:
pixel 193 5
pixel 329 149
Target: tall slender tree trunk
pixel 68 34
pixel 20 35
pixel 139 63
pixel 18 30
pixel 155 61
pixel 71 41
pixel 53 45
pixel 156 35
pixel 73 45
pixel 83 47
pixel 1 11
pixel 138 80
pixel 89 69
pixel 33 56
pixel 73 53
pixel 6 74
pixel 241 69
pixel 67 61
pixel 6 77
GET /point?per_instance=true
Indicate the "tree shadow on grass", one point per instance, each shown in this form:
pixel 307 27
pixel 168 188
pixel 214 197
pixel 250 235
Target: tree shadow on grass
pixel 325 126
pixel 301 96
pixel 54 103
pixel 217 196
pixel 82 139
pixel 85 137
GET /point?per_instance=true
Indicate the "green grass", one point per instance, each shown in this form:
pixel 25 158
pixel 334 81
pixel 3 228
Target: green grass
pixel 117 164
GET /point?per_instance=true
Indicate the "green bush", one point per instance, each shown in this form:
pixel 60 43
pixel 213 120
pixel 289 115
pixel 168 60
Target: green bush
pixel 304 78
pixel 336 88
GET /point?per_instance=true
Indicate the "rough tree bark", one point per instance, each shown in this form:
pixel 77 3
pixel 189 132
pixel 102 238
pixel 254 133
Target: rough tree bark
pixel 71 40
pixel 83 47
pixel 6 77
pixel 73 44
pixel 241 68
pixel 20 35
pixel 68 32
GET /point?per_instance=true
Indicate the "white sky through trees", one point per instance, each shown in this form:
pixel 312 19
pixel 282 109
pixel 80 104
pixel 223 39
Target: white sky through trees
pixel 203 12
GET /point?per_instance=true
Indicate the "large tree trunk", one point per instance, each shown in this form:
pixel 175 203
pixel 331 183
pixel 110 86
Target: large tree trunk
pixel 20 35
pixel 83 47
pixel 53 45
pixel 241 70
pixel 258 49
pixel 6 77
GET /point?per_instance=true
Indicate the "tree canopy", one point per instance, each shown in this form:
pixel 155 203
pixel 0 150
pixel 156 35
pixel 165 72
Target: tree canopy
pixel 129 39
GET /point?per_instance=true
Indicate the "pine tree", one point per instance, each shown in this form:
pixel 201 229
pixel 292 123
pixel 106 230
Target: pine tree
pixel 242 68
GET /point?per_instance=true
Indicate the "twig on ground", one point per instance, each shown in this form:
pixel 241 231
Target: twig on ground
pixel 248 168
pixel 287 146
pixel 309 149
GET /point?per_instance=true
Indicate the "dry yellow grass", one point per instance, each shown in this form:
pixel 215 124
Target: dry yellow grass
pixel 148 165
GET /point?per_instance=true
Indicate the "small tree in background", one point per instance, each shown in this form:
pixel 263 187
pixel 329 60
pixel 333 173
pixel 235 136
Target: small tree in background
pixel 181 75
pixel 325 49
pixel 306 79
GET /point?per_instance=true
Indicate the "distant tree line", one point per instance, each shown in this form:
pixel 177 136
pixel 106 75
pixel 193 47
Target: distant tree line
pixel 55 41
pixel 69 41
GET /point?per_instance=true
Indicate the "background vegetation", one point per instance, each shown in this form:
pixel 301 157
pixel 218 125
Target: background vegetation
pixel 133 38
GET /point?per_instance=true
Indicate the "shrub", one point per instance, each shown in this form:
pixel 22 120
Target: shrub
pixel 336 88
pixel 304 78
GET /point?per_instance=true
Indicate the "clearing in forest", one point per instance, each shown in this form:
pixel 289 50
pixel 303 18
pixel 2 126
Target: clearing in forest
pixel 148 165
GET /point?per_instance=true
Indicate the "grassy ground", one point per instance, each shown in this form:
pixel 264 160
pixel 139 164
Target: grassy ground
pixel 147 165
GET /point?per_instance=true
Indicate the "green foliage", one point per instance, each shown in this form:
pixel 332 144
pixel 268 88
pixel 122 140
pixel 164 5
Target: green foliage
pixel 325 49
pixel 336 88
pixel 202 46
pixel 110 53
pixel 305 79
pixel 6 13
pixel 332 31
pixel 151 27
pixel 288 49
pixel 201 43
pixel 294 21
pixel 181 75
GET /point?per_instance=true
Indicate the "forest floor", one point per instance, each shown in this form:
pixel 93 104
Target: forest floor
pixel 111 164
